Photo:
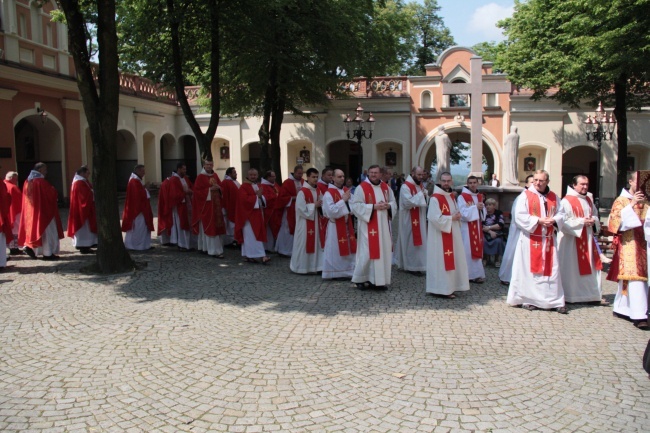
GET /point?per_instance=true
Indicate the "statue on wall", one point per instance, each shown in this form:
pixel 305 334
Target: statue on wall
pixel 510 159
pixel 443 152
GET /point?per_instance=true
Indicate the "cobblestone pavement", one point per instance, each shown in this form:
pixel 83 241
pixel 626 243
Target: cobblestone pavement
pixel 197 344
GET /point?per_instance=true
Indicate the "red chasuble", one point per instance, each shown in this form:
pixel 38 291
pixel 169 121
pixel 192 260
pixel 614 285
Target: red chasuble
pixel 246 212
pixel 344 231
pixel 136 203
pixel 165 218
pixel 208 212
pixel 273 219
pixel 288 191
pixel 415 217
pixel 373 224
pixel 311 224
pixel 5 219
pixel 447 238
pixel 39 208
pixel 82 207
pixel 16 200
pixel 475 229
pixel 174 197
pixel 541 260
pixel 229 190
pixel 582 243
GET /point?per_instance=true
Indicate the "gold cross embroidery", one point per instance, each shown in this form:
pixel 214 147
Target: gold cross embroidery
pixel 311 232
pixel 373 232
pixel 415 223
pixel 449 252
pixel 536 244
pixel 342 240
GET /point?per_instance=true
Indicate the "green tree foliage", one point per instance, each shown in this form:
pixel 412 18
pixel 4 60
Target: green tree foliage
pixel 580 52
pixel 490 52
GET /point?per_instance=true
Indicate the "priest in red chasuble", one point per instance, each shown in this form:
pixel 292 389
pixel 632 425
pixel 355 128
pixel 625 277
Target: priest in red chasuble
pixel 207 213
pixel 11 182
pixel 472 210
pixel 137 218
pixel 82 220
pixel 6 235
pixel 536 282
pixel 229 188
pixel 307 255
pixel 373 203
pixel 630 220
pixel 446 262
pixel 250 227
pixel 411 249
pixel 580 263
pixel 174 209
pixel 40 223
pixel 286 207
pixel 272 219
pixel 340 250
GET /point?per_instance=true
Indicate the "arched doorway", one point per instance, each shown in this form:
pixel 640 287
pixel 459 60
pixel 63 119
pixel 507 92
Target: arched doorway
pixel 188 144
pixel 250 156
pixel 127 158
pixel 170 155
pixel 345 155
pixel 461 156
pixel 38 141
pixel 579 160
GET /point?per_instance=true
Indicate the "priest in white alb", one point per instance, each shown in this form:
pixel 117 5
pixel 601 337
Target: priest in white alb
pixel 472 210
pixel 580 264
pixel 446 263
pixel 411 250
pixel 340 242
pixel 307 253
pixel 373 203
pixel 536 282
pixel 505 271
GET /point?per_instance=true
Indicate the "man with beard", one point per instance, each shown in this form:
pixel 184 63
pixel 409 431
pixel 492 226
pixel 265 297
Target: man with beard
pixel 630 220
pixel 207 214
pixel 472 209
pixel 411 250
pixel 536 282
pixel 373 203
pixel 174 224
pixel 137 218
pixel 250 229
pixel 505 271
pixel 341 243
pixel 446 262
pixel 272 219
pixel 580 264
pixel 40 223
pixel 82 220
pixel 229 188
pixel 307 255
pixel 11 182
pixel 286 206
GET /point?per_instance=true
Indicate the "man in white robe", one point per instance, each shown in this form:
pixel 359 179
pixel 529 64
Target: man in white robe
pixel 446 263
pixel 373 203
pixel 307 253
pixel 229 188
pixel 411 250
pixel 630 220
pixel 472 210
pixel 536 279
pixel 250 228
pixel 340 243
pixel 505 271
pixel 286 206
pixel 580 264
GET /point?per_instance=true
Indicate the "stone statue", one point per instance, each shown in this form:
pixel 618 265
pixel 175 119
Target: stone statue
pixel 443 152
pixel 510 159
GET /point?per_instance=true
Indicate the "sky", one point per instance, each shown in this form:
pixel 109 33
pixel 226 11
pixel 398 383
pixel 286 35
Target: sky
pixel 474 21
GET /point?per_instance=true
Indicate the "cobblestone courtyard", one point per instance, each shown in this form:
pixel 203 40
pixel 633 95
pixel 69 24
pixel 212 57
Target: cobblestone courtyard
pixel 198 344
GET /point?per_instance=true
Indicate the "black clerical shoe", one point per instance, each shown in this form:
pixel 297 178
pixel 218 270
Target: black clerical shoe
pixel 361 286
pixel 30 252
pixel 562 310
pixel 15 252
pixel 52 257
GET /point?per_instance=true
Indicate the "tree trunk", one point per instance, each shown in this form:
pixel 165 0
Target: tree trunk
pixel 101 110
pixel 264 132
pixel 620 112
pixel 277 117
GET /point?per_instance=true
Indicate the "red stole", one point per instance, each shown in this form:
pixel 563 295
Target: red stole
pixel 475 228
pixel 541 263
pixel 582 243
pixel 344 233
pixel 447 238
pixel 415 217
pixel 311 224
pixel 373 224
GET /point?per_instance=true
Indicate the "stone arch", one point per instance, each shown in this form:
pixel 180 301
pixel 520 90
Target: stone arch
pixel 171 152
pixel 40 139
pixel 127 157
pixel 580 160
pixel 344 154
pixel 426 99
pixel 188 145
pixel 250 156
pixel 638 154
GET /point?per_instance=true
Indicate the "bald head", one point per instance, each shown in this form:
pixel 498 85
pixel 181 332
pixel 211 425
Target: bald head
pixel 338 178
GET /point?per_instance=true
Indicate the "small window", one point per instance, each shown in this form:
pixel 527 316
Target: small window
pixel 427 100
pixel 491 100
pixel 22 26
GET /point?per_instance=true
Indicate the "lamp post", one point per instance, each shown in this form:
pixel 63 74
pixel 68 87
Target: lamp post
pixel 354 129
pixel 598 127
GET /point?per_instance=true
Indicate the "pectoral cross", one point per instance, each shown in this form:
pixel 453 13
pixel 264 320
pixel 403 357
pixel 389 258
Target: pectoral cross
pixel 373 232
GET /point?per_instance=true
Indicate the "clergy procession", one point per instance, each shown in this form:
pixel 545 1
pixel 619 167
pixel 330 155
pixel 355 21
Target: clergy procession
pixel 552 257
